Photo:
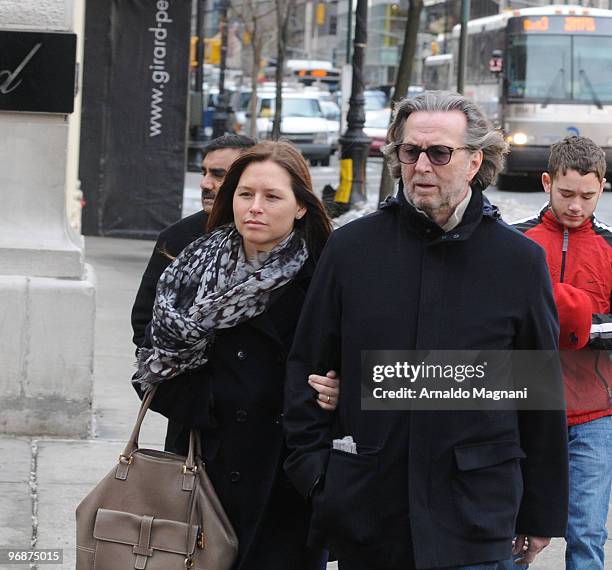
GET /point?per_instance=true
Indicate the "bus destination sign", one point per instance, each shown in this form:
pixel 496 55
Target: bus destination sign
pixel 560 25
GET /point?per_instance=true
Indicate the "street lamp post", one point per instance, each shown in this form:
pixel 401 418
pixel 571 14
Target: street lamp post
pixel 220 117
pixel 349 32
pixel 463 37
pixel 354 142
pixel 197 128
pixel 199 72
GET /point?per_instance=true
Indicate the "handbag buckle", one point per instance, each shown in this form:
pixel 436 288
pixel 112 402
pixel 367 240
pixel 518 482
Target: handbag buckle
pixel 193 470
pixel 200 541
pixel 123 459
pixel 189 562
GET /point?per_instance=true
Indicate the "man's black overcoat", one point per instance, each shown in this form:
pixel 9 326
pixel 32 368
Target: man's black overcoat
pixel 440 488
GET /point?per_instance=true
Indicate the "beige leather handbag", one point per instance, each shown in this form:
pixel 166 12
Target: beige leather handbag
pixel 156 511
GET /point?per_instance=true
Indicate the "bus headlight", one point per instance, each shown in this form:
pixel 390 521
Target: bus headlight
pixel 518 139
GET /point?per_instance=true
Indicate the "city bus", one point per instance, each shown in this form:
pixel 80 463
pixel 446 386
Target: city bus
pixel 541 74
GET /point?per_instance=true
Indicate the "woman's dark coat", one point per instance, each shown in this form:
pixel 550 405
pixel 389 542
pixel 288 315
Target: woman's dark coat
pixel 237 401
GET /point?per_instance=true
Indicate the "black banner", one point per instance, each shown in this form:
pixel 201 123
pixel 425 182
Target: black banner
pixel 138 187
pixel 37 71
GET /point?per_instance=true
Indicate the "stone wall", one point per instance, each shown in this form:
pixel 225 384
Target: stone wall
pixel 47 304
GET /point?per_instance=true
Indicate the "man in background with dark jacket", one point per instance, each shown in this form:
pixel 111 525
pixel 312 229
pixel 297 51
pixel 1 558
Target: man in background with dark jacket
pixel 218 156
pixel 434 269
pixel 579 255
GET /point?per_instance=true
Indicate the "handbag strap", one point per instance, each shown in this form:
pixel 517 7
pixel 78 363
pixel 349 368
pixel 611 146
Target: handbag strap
pixel 190 468
pixel 132 443
pixel 195 445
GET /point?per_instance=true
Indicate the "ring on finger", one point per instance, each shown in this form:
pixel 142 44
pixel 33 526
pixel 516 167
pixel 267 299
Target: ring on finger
pixel 328 399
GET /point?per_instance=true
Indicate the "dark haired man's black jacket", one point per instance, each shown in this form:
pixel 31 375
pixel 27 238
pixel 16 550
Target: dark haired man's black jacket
pixel 170 243
pixel 428 489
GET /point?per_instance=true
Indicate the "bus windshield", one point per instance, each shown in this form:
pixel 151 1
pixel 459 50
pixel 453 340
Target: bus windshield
pixel 555 68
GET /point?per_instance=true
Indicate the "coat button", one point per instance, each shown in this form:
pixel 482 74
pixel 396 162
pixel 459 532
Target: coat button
pixel 235 476
pixel 279 419
pixel 241 355
pixel 241 416
pixel 456 236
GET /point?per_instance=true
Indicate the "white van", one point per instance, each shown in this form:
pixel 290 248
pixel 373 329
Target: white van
pixel 303 122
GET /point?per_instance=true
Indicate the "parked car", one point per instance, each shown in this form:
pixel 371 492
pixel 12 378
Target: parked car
pixel 415 90
pixel 242 100
pixel 302 122
pixel 375 100
pixel 331 112
pixel 210 101
pixel 376 126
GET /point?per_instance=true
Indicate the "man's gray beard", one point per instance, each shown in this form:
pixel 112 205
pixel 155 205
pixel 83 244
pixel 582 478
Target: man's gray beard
pixel 429 212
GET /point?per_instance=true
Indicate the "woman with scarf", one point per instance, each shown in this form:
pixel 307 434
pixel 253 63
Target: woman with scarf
pixel 223 324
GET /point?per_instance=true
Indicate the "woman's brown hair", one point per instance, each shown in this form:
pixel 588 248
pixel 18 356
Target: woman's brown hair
pixel 314 226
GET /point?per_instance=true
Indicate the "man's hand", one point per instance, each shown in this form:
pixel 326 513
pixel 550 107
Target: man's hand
pixel 328 389
pixel 528 547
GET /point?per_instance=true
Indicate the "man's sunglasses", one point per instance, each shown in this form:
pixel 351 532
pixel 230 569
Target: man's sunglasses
pixel 437 154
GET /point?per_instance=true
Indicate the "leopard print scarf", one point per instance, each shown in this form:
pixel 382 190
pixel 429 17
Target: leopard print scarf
pixel 210 286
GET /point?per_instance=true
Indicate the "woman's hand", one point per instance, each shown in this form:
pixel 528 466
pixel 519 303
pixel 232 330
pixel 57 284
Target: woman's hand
pixel 328 389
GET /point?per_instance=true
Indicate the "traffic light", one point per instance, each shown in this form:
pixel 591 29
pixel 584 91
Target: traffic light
pixel 193 51
pixel 212 51
pixel 320 14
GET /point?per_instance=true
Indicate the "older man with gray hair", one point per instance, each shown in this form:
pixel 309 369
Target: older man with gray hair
pixel 436 269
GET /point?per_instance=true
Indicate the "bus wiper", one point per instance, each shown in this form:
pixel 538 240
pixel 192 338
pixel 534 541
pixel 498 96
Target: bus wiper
pixel 549 94
pixel 582 73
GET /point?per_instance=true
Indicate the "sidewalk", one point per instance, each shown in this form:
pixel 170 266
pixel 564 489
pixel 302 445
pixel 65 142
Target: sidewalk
pixel 43 480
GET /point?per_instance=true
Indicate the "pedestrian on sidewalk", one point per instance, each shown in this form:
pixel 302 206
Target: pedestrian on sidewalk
pixel 434 269
pixel 579 254
pixel 218 156
pixel 223 322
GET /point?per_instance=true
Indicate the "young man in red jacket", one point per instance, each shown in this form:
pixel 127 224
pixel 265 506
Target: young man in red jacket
pixel 579 254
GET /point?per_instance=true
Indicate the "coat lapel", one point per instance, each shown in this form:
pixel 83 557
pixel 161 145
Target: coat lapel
pixel 265 325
